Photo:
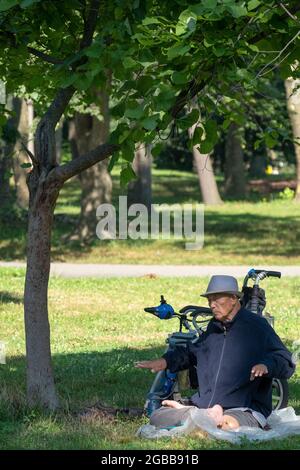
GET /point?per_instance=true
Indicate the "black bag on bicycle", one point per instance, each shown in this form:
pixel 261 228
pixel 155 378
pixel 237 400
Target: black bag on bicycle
pixel 246 299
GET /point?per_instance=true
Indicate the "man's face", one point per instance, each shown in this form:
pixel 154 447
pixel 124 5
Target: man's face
pixel 222 305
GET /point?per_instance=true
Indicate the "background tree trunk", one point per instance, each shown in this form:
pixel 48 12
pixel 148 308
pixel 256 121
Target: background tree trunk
pixel 72 138
pixel 86 132
pixel 24 113
pixel 140 190
pixel 293 105
pixel 59 139
pixel 207 182
pixel 235 179
pixel 7 143
pixel 6 195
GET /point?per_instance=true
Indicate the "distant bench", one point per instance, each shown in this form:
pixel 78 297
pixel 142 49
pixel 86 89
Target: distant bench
pixel 266 187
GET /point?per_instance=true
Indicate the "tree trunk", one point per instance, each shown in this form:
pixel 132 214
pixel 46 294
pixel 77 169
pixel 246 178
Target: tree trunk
pixel 7 143
pixel 40 382
pixel 43 188
pixel 235 179
pixel 30 114
pixel 24 113
pixel 85 133
pixel 140 190
pixel 44 182
pixel 5 168
pixel 59 139
pixel 293 105
pixel 207 181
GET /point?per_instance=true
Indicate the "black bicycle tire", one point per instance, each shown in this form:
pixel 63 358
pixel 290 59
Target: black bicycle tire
pixel 283 387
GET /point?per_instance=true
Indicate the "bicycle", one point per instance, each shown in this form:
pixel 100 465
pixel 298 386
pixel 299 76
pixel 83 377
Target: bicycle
pixel 194 319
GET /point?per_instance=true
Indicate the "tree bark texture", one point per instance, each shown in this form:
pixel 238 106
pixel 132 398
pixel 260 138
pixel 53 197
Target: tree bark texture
pixel 293 105
pixel 235 179
pixel 24 111
pixel 140 190
pixel 207 182
pixel 40 382
pixel 86 132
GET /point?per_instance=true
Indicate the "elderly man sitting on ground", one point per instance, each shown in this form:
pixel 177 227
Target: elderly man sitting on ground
pixel 236 359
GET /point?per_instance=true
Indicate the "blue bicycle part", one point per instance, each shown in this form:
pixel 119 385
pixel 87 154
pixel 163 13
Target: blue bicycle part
pixel 161 389
pixel 163 311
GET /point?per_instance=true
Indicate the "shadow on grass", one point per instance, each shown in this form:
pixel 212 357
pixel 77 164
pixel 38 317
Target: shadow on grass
pixel 236 234
pixel 250 234
pixel 7 298
pixel 82 380
pixel 272 236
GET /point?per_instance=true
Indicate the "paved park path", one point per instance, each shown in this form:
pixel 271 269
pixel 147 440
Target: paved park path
pixel 137 270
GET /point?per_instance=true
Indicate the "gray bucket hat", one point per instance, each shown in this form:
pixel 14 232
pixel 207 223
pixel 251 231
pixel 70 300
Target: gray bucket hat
pixel 222 284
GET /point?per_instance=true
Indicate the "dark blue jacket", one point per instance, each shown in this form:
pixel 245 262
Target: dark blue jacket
pixel 224 356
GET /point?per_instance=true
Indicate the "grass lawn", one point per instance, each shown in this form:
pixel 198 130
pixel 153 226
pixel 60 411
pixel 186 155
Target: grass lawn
pixel 260 232
pixel 98 330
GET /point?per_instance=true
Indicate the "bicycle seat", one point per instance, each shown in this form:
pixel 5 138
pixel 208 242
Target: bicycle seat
pixel 181 338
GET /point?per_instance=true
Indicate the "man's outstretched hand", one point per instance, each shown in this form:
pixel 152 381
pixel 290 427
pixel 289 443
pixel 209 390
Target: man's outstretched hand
pixel 156 365
pixel 258 371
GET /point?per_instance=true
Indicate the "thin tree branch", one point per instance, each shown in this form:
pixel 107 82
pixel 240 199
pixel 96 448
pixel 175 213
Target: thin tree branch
pixel 58 105
pixel 186 95
pixel 90 24
pixel 46 128
pixel 64 95
pixel 288 12
pixel 45 133
pixel 64 172
pixel 193 88
pixel 275 66
pixel 265 34
pixel 45 57
pixel 29 153
pixel 260 73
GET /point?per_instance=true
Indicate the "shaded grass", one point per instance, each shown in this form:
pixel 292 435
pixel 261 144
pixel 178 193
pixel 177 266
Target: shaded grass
pixel 99 329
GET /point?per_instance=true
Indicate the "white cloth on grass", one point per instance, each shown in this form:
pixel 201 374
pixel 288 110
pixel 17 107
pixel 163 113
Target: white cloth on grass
pixel 283 423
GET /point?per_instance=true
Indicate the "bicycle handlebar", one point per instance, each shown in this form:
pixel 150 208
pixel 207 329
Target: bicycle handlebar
pixel 186 315
pixel 257 275
pixel 150 309
pixel 268 273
